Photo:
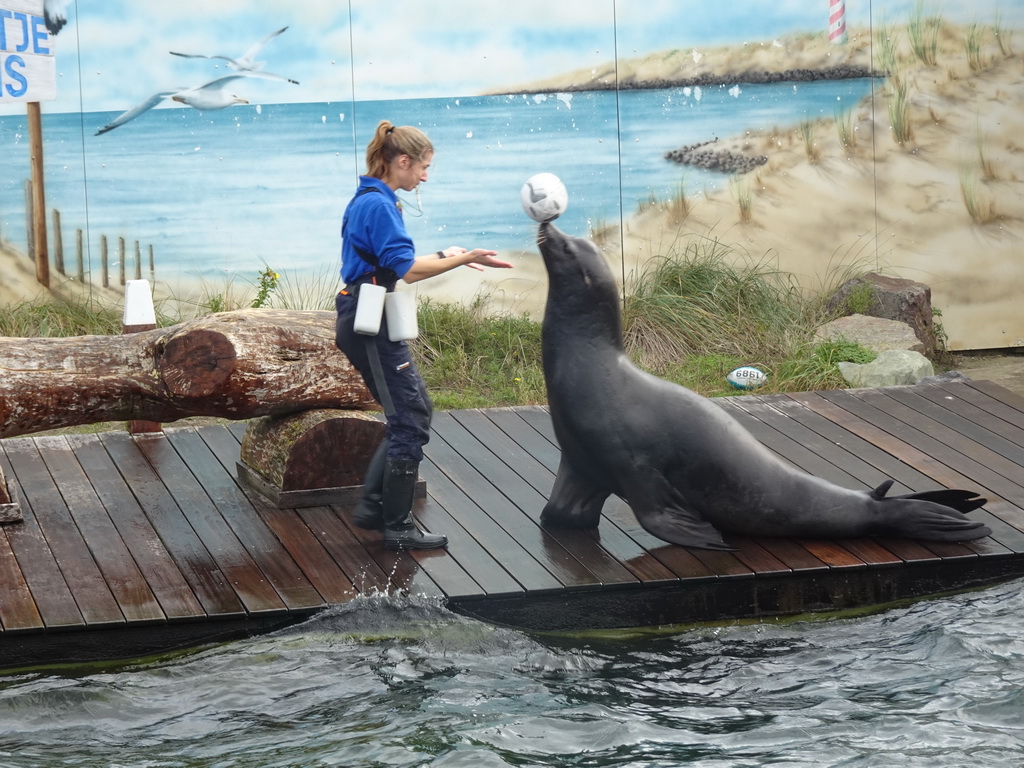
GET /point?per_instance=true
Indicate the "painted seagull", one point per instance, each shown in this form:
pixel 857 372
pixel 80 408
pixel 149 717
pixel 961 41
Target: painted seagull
pixel 247 62
pixel 210 95
pixel 55 14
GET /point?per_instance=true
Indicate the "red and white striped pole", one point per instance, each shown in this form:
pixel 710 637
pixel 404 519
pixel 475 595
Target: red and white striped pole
pixel 837 21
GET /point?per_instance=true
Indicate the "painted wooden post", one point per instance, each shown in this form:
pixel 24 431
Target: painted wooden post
pixel 58 243
pixel 80 255
pixel 139 315
pixel 42 255
pixel 30 245
pixel 120 259
pixel 105 259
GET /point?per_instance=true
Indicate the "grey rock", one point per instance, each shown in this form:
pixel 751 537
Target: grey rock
pixel 893 367
pixel 874 333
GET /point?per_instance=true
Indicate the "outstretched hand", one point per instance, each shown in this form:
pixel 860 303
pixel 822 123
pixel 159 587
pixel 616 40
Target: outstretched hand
pixel 478 258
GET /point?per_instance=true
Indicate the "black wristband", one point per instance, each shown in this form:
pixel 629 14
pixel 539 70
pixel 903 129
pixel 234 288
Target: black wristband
pixel 441 255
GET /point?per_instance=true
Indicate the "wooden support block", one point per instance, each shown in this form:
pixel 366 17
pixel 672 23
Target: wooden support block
pixel 10 509
pixel 311 458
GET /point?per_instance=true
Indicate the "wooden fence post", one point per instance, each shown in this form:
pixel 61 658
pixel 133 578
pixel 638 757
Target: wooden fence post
pixel 30 243
pixel 105 260
pixel 58 243
pixel 80 255
pixel 42 255
pixel 121 256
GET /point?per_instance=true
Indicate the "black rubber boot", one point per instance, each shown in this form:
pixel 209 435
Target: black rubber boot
pixel 369 513
pixel 400 531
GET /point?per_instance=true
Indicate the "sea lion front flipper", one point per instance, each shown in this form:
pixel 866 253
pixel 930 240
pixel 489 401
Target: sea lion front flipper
pixel 662 512
pixel 683 527
pixel 574 502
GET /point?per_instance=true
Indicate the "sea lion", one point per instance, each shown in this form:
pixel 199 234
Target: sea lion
pixel 688 470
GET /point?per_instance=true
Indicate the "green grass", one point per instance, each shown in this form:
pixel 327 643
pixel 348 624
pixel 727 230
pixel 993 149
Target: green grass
pixel 923 31
pixel 48 318
pixel 691 316
pixel 470 358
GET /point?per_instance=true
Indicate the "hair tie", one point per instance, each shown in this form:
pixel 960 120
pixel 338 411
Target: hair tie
pixel 389 130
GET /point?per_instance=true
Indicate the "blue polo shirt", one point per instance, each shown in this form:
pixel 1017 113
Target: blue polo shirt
pixel 373 222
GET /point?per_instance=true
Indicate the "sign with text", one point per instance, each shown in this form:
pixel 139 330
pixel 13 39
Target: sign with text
pixel 28 68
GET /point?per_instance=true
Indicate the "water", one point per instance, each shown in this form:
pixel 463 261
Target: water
pixel 228 191
pixel 387 682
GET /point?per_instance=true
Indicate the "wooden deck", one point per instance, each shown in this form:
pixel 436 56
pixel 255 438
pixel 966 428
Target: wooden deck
pixel 137 545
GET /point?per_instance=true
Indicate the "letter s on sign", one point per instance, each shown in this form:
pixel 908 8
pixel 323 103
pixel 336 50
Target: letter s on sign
pixel 12 66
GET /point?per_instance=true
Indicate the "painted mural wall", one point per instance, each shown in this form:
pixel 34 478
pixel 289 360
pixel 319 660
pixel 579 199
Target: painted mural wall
pixel 226 138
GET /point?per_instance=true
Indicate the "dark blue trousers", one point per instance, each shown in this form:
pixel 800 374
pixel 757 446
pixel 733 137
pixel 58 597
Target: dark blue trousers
pixel 408 429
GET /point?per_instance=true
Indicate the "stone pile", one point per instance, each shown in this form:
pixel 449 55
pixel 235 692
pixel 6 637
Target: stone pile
pixel 721 160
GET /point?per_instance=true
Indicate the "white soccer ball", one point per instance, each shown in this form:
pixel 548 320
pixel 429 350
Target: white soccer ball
pixel 544 197
pixel 746 377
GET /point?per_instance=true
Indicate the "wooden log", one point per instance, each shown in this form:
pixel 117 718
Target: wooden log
pixel 233 365
pixel 311 458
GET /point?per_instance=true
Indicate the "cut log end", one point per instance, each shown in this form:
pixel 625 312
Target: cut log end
pixel 197 363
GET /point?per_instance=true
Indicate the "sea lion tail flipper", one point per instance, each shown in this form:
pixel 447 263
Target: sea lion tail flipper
pixel 926 519
pixel 961 501
pixel 681 526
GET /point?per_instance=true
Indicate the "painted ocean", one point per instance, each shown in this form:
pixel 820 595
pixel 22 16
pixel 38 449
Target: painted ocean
pixel 226 192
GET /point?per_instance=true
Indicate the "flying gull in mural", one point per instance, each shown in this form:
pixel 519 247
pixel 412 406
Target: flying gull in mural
pixel 55 14
pixel 247 62
pixel 210 95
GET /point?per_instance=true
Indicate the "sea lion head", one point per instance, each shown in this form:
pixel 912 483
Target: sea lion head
pixel 582 291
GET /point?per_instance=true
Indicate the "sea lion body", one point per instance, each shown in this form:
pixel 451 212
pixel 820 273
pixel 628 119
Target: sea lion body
pixel 688 470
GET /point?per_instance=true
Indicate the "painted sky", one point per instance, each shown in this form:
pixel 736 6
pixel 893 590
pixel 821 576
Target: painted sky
pixel 115 53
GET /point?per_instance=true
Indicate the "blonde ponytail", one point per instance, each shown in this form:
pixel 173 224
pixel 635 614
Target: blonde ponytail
pixel 391 141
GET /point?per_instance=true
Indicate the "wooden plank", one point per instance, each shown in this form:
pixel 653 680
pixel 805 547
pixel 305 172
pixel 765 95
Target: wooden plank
pixel 471 474
pixel 237 565
pixel 830 461
pixel 979 408
pixel 612 536
pixel 403 571
pixel 161 573
pixel 679 561
pixel 263 547
pixel 528 483
pixel 69 550
pixel 17 608
pixel 195 562
pixel 791 554
pixel 753 554
pixel 1003 395
pixel 475 537
pixel 355 562
pixel 872 465
pixel 135 599
pixel 967 429
pixel 684 563
pixel 942 443
pixel 928 465
pixel 49 592
pixel 307 551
